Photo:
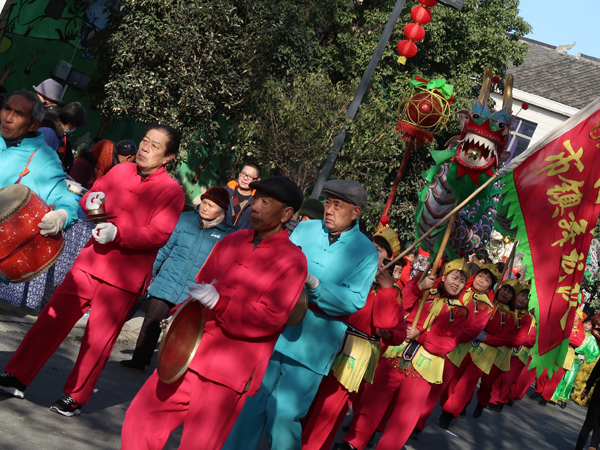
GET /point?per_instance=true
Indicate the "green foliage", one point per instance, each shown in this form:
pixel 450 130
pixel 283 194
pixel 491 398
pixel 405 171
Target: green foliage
pixel 183 63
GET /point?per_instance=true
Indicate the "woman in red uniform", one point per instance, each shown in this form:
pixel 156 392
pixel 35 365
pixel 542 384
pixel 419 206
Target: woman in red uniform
pixel 406 373
pixel 504 387
pixel 482 358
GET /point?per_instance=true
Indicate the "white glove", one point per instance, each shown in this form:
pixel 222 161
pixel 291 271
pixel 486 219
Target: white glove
pixel 94 200
pixel 104 233
pixel 581 357
pixel 53 222
pixel 205 293
pixel 311 281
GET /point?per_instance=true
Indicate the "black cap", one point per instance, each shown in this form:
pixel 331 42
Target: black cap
pixel 126 148
pixel 282 189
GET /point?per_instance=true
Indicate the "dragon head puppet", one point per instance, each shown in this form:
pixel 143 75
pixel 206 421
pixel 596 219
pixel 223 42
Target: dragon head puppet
pixel 484 133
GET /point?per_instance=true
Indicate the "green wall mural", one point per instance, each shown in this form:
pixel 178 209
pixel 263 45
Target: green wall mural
pixel 42 39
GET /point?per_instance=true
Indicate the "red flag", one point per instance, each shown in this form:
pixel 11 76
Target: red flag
pixel 556 187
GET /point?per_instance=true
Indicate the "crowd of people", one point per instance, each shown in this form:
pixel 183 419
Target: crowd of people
pixel 389 343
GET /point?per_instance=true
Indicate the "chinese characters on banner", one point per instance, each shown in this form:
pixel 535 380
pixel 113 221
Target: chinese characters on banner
pixel 558 188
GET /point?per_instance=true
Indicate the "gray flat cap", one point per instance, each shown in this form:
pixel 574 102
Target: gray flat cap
pixel 347 190
pixel 50 89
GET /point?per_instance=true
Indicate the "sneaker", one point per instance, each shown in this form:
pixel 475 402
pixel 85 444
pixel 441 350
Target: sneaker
pixel 132 365
pixel 543 402
pixel 464 411
pixel 562 404
pixel 535 395
pixel 10 385
pixel 511 402
pixel 415 434
pixel 499 406
pixel 67 406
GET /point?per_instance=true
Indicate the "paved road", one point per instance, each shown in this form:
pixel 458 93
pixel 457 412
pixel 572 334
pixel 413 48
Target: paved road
pixel 29 424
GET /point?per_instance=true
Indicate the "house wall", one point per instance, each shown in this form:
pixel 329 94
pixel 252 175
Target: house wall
pixel 546 114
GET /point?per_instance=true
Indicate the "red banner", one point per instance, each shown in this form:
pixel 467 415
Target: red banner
pixel 558 188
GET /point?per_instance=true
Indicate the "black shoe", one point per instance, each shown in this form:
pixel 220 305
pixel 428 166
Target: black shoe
pixel 478 410
pixel 499 406
pixel 490 406
pixel 10 385
pixel 345 428
pixel 543 402
pixel 415 434
pixel 445 420
pixel 510 403
pixel 464 411
pixel 67 406
pixel 562 404
pixel 343 446
pixel 371 440
pixel 132 365
pixel 535 395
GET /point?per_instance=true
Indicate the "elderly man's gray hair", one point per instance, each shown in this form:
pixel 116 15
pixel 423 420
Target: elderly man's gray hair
pixel 37 107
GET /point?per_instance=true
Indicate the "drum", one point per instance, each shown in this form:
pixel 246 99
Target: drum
pixel 24 252
pixel 299 311
pixel 180 341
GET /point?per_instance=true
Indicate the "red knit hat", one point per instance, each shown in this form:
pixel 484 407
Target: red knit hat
pixel 217 194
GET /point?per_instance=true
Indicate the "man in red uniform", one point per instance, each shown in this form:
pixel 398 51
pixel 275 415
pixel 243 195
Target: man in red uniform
pixel 406 373
pixel 146 203
pixel 380 321
pixel 258 275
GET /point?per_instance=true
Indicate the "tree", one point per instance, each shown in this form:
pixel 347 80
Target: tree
pixel 457 47
pixel 183 63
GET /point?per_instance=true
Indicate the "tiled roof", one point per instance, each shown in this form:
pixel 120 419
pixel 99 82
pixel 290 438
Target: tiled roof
pixel 567 79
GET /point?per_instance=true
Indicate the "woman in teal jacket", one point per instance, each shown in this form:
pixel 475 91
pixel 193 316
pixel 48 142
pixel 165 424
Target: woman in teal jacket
pixel 176 266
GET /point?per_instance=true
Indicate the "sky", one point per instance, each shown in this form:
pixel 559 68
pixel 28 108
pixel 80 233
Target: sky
pixel 562 22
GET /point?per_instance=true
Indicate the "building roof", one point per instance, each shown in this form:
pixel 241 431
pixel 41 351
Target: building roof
pixel 555 75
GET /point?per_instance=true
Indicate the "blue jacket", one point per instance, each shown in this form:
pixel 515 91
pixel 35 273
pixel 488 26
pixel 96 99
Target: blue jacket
pixel 46 176
pixel 182 257
pixel 346 271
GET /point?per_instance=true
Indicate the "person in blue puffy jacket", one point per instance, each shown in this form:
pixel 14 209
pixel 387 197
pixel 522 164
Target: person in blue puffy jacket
pixel 176 266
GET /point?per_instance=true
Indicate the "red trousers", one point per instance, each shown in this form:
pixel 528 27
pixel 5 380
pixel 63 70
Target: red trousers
pixel 75 295
pixel 504 387
pixel 523 382
pixel 326 414
pixel 435 393
pixel 487 383
pixel 461 387
pixel 546 386
pixel 408 391
pixel 208 411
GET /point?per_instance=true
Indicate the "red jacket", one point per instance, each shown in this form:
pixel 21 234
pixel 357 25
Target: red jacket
pixel 522 336
pixel 501 327
pixel 577 336
pixel 383 310
pixel 258 287
pixel 146 214
pixel 446 328
pixel 479 311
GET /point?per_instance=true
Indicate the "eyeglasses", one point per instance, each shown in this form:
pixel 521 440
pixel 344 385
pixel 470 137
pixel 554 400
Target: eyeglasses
pixel 249 177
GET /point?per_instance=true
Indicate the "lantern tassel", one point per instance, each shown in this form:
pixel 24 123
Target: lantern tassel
pixel 402 60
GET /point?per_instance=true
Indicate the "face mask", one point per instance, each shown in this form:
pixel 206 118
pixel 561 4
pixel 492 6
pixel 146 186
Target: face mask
pixel 68 132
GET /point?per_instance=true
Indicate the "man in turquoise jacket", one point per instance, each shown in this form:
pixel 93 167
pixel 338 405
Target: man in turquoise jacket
pixel 27 160
pixel 342 264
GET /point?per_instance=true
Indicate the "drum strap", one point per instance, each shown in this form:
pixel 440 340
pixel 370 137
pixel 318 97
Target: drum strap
pixel 20 246
pixel 26 170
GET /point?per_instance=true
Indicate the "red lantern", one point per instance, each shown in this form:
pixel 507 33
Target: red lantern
pixel 421 15
pixel 414 32
pixel 429 3
pixel 408 49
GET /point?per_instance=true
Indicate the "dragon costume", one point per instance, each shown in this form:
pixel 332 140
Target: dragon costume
pixel 469 160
